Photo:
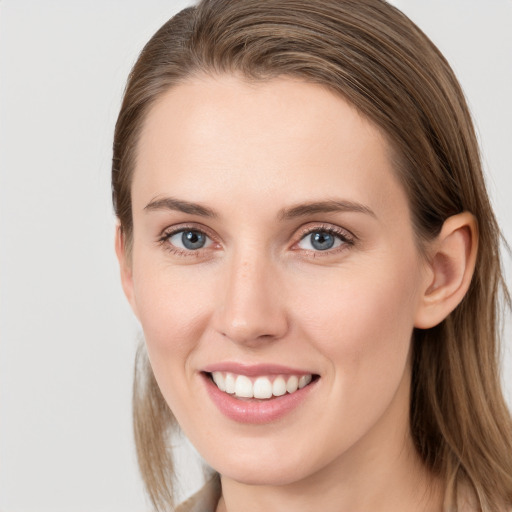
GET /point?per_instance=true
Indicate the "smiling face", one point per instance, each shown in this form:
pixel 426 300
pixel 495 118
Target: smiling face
pixel 273 251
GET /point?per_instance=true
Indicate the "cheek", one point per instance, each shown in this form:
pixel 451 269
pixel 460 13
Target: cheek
pixel 363 319
pixel 362 326
pixel 173 321
pixel 172 311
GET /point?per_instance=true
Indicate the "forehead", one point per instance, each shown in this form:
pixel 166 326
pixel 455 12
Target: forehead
pixel 280 138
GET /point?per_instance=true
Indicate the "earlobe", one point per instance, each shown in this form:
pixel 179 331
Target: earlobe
pixel 125 267
pixel 451 265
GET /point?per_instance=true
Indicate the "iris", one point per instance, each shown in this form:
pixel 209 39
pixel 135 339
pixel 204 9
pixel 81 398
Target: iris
pixel 322 241
pixel 193 239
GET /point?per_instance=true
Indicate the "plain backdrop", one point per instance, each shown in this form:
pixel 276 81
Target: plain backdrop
pixel 67 335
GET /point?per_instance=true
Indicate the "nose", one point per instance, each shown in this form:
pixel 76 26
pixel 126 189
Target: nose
pixel 251 306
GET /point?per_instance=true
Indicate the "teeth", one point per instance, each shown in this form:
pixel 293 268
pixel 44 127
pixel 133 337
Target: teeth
pixel 219 379
pixel 279 387
pixel 230 383
pixel 293 384
pixel 304 381
pixel 243 387
pixel 262 388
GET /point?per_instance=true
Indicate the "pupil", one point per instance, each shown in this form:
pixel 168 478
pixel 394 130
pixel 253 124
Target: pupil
pixel 322 240
pixel 193 239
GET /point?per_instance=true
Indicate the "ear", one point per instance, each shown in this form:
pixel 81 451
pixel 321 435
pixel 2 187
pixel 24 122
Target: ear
pixel 125 267
pixel 451 263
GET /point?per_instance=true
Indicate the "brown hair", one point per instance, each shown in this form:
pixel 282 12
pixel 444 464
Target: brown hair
pixel 376 58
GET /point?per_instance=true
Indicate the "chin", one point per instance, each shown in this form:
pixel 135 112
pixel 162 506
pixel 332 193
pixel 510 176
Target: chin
pixel 263 476
pixel 262 467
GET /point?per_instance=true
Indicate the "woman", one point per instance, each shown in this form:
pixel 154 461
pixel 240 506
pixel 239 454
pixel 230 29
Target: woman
pixel 306 239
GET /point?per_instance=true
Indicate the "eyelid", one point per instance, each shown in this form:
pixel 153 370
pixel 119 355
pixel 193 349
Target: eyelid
pixel 344 234
pixel 169 231
pixel 192 226
pixel 312 227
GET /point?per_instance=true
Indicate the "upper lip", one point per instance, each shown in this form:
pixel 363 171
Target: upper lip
pixel 253 370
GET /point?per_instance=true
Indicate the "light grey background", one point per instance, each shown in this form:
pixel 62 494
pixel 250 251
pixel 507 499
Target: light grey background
pixel 67 335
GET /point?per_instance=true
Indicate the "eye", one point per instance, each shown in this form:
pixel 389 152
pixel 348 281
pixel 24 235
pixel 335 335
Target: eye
pixel 321 240
pixel 189 240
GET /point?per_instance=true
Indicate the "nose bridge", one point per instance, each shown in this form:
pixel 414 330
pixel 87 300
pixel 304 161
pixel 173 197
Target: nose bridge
pixel 251 309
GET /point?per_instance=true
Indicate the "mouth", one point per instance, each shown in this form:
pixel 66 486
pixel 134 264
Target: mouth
pixel 259 387
pixel 258 394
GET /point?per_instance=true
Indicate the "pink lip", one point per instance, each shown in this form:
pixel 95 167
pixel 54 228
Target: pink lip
pixel 254 369
pixel 252 411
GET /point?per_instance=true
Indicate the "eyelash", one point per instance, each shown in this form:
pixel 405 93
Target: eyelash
pixel 347 239
pixel 163 240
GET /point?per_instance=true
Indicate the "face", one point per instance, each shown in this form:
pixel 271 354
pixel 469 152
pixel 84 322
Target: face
pixel 273 252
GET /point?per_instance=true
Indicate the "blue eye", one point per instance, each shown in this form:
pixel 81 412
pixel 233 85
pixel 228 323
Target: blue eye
pixel 321 240
pixel 189 239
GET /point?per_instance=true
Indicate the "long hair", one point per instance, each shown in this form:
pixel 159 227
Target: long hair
pixel 372 55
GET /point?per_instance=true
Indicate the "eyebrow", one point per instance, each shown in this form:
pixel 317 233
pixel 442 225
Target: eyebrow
pixel 305 209
pixel 300 210
pixel 170 203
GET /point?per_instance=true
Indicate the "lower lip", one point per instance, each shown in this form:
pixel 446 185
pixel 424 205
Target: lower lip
pixel 255 411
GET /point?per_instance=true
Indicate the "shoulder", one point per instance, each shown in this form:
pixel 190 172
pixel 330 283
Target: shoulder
pixel 205 500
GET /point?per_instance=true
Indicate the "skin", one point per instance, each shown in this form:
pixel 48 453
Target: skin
pixel 259 292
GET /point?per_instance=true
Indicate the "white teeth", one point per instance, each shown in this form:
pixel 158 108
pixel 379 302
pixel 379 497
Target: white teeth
pixel 279 387
pixel 218 378
pixel 230 383
pixel 262 388
pixel 304 381
pixel 243 387
pixel 293 384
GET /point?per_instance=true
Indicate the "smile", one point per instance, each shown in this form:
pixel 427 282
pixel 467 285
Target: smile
pixel 259 387
pixel 258 394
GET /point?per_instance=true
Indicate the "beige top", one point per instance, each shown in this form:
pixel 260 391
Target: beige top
pixel 205 500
